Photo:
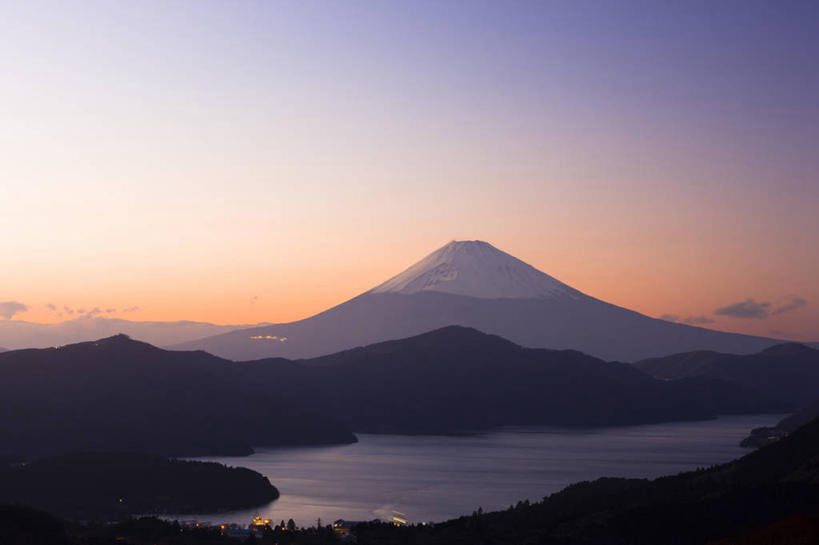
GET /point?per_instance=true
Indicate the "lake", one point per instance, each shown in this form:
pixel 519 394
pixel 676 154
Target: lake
pixel 434 478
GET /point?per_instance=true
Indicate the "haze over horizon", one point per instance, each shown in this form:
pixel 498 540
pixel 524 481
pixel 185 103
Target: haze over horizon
pixel 262 162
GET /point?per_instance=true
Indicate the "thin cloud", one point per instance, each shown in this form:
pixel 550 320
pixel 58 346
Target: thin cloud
pixel 93 312
pixel 793 303
pixel 52 307
pixel 746 309
pixel 10 308
pixel 699 320
pixel 130 309
pixel 68 310
pixel 110 310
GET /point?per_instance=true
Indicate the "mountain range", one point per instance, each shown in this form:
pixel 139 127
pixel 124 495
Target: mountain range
pixel 787 372
pixel 16 334
pixel 472 283
pixel 458 379
pixel 121 394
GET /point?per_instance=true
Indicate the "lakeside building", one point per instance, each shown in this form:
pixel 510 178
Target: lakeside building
pixel 256 529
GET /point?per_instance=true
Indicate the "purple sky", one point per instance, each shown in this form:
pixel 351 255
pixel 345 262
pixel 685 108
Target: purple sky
pixel 659 155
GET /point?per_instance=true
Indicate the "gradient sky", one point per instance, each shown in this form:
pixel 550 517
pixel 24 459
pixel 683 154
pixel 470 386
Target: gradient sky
pixel 237 162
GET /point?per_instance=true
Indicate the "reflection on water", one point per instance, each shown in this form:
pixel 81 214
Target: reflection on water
pixel 433 478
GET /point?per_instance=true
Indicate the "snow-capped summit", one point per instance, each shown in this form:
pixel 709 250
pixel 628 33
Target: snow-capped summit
pixel 476 269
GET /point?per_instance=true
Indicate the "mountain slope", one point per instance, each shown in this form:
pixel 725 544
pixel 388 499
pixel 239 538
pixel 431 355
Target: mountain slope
pixel 117 394
pixel 787 372
pixel 456 379
pixel 474 284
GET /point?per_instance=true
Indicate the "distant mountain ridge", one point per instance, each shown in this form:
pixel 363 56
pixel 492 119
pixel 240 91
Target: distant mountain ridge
pixel 473 284
pixel 788 372
pixel 17 334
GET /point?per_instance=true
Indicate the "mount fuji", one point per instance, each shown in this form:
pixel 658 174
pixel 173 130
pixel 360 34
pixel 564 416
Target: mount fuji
pixel 476 269
pixel 472 283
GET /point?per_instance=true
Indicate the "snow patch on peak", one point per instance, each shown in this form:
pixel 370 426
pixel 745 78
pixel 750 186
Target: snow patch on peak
pixel 476 269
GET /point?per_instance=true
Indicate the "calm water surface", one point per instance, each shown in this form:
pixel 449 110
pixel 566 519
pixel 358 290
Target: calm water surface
pixel 433 478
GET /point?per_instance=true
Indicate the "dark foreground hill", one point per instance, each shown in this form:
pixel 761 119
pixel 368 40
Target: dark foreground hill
pixel 788 372
pixel 117 394
pixel 691 508
pixel 113 485
pixel 457 379
pixel 798 529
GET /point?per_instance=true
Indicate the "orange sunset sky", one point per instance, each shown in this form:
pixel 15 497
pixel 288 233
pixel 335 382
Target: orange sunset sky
pixel 238 163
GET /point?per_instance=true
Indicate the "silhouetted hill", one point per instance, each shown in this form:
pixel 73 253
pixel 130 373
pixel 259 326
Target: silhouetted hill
pixel 687 509
pixel 120 394
pixel 457 378
pixel 22 525
pixel 787 372
pixel 117 394
pixel 114 485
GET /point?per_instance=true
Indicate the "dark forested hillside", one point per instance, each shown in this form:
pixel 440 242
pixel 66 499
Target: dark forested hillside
pixel 458 378
pixel 798 529
pixel 117 394
pixel 120 394
pixel 113 485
